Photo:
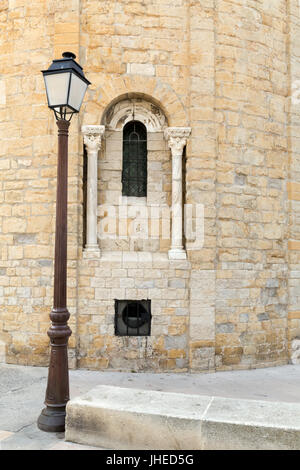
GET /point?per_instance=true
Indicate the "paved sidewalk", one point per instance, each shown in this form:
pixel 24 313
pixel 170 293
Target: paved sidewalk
pixel 22 391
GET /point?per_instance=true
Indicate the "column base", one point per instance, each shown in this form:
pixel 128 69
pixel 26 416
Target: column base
pixel 91 251
pixel 52 419
pixel 177 253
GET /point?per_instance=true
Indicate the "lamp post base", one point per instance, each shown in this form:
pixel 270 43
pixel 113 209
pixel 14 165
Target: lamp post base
pixel 52 419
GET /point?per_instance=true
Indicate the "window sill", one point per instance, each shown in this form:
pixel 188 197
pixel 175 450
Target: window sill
pixel 133 200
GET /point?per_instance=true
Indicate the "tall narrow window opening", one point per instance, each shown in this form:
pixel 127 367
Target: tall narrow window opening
pixel 134 173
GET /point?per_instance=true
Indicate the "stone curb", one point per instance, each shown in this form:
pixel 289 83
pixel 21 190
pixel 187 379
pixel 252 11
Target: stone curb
pixel 123 418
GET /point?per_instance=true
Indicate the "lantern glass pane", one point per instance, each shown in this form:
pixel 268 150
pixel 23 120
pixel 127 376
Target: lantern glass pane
pixel 57 86
pixel 77 91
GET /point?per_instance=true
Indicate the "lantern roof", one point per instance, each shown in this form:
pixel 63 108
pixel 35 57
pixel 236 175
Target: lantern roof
pixel 66 63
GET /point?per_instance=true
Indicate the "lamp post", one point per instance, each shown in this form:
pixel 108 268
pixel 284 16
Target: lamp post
pixel 65 86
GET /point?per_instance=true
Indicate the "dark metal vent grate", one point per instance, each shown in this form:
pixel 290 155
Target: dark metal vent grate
pixel 132 317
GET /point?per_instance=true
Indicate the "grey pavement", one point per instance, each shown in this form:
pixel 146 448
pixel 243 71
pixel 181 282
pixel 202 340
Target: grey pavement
pixel 22 391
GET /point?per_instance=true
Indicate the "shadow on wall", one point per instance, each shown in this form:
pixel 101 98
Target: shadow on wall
pixel 2 352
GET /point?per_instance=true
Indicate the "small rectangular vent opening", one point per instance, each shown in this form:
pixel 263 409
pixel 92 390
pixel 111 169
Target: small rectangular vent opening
pixel 132 317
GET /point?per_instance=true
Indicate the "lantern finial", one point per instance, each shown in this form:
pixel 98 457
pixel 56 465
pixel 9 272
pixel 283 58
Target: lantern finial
pixel 69 55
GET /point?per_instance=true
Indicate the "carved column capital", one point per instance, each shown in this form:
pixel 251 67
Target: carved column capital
pixel 92 136
pixel 177 138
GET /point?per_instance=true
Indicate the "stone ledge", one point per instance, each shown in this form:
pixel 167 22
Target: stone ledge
pixel 123 418
pixel 135 259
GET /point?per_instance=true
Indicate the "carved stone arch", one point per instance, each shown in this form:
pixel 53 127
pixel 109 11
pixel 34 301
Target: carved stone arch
pixel 103 94
pixel 130 108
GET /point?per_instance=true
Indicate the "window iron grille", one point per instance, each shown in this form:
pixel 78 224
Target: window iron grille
pixel 132 317
pixel 134 172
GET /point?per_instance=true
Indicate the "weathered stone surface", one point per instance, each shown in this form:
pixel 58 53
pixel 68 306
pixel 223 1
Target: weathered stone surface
pixel 182 66
pixel 137 419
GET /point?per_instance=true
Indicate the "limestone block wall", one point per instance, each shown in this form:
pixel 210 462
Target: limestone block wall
pixel 229 70
pixel 134 276
pixel 251 197
pixel 201 161
pixel 31 37
pixel 293 186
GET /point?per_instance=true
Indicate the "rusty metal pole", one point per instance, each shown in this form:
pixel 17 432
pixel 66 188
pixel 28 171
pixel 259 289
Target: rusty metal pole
pixel 52 418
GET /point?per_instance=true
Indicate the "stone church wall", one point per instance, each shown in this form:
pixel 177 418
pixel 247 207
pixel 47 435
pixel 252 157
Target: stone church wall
pixel 229 70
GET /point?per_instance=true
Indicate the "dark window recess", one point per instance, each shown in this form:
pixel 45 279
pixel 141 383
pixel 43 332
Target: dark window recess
pixel 134 172
pixel 132 317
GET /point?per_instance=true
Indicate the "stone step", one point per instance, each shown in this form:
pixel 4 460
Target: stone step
pixel 125 418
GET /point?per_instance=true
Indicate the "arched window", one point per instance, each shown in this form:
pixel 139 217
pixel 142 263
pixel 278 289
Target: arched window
pixel 134 172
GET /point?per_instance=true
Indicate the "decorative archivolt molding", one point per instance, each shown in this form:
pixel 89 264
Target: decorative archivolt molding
pixel 135 109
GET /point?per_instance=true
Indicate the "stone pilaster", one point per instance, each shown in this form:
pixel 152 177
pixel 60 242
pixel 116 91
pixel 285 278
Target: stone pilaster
pixel 177 139
pixel 92 136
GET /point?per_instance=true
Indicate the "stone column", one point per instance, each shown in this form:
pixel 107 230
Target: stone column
pixel 177 138
pixel 92 136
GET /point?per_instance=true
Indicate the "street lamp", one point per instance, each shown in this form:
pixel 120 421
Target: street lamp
pixel 65 86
